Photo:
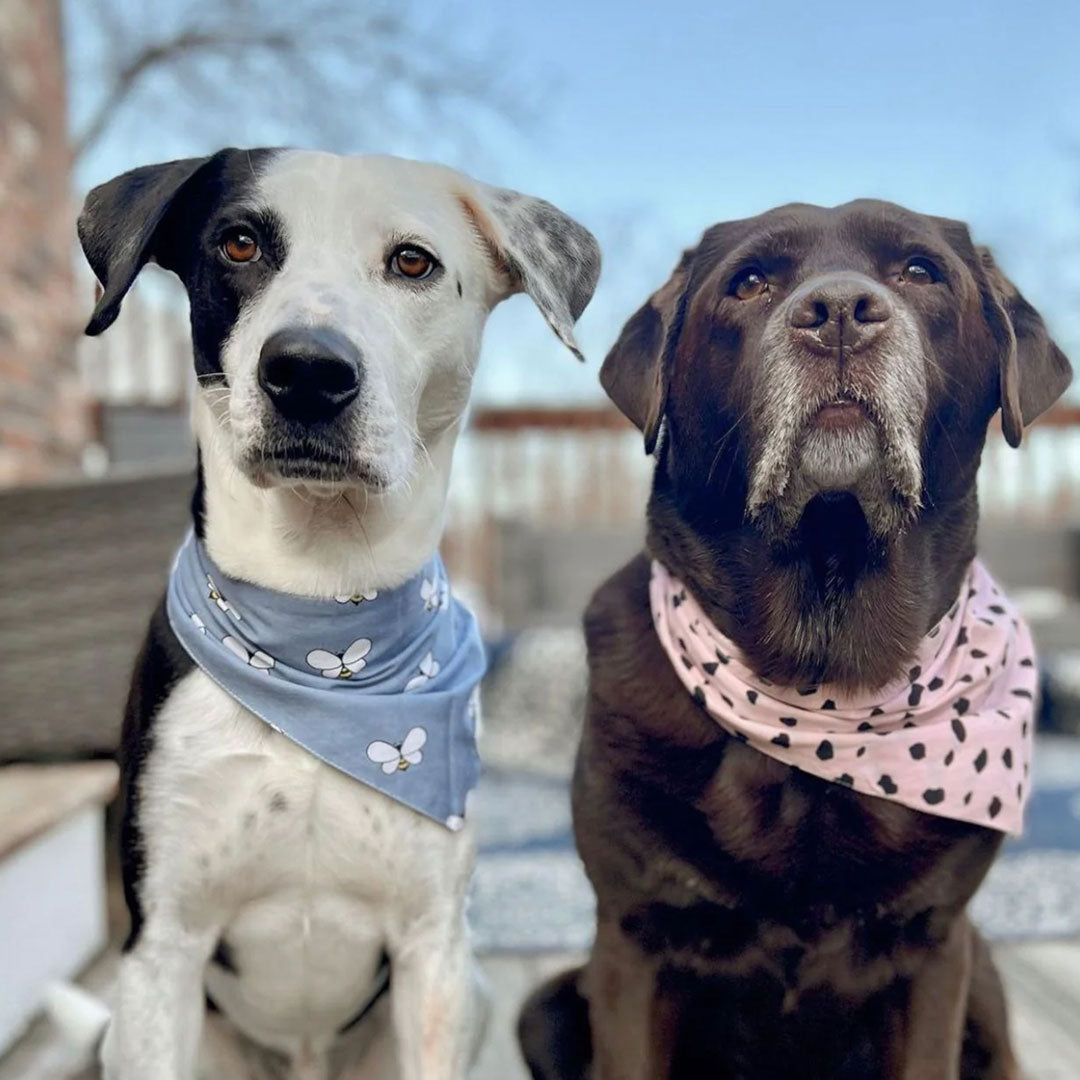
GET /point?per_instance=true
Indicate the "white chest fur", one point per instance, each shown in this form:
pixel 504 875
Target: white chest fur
pixel 306 875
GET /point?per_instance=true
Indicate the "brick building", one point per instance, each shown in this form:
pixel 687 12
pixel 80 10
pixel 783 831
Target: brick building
pixel 43 416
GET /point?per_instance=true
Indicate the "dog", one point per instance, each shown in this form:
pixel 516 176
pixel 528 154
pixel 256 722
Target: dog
pixel 816 385
pixel 337 305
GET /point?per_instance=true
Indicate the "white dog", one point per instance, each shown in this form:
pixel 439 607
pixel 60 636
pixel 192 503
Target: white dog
pixel 337 306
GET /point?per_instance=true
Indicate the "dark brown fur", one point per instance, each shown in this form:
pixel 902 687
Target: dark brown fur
pixel 755 922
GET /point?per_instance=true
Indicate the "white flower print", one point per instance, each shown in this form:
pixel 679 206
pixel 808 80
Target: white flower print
pixel 429 668
pixel 435 594
pixel 215 594
pixel 398 757
pixel 255 657
pixel 357 597
pixel 344 666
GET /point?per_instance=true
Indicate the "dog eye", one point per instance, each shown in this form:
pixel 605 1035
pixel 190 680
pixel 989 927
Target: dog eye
pixel 410 261
pixel 920 271
pixel 747 284
pixel 239 246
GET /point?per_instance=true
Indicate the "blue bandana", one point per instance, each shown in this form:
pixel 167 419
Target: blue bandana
pixel 381 685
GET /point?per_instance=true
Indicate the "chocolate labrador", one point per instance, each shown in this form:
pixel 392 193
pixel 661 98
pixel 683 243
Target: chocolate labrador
pixel 816 385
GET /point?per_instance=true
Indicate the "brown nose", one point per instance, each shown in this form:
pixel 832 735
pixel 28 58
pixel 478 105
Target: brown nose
pixel 839 310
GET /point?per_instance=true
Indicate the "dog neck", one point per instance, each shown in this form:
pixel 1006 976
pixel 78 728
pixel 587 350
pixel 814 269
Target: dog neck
pixel 315 542
pixel 834 605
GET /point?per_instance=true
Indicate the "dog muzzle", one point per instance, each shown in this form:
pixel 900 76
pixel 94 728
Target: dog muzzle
pixel 382 685
pixel 954 738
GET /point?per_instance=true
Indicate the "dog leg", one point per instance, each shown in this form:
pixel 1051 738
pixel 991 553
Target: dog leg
pixel 633 1023
pixel 157 1020
pixel 434 1004
pixel 928 1037
pixel 988 1052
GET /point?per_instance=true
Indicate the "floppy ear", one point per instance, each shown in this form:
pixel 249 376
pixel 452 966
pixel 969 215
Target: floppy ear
pixel 538 250
pixel 637 371
pixel 118 227
pixel 1034 372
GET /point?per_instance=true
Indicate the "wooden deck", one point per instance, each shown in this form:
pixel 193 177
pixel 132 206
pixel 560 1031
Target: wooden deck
pixel 1043 980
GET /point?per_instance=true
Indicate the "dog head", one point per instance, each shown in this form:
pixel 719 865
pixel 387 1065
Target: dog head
pixel 337 303
pixel 811 353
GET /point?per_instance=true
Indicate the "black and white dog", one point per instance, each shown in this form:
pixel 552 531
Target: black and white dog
pixel 257 877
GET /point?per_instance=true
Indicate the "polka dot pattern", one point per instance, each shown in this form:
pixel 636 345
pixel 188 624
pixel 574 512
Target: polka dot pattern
pixel 950 738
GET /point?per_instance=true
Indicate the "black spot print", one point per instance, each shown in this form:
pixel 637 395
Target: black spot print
pixel 699 696
pixel 914 673
pixel 980 761
pixel 278 802
pixel 710 667
pixel 962 638
pixel 727 701
pixel 994 807
pixel 961 705
pixel 936 683
pixel 933 796
pixel 846 779
pixel 788 721
pixel 1020 791
pixel 959 730
pixel 886 784
pixel 997 609
pixel 877 711
pixel 806 691
pixel 781 740
pixel 751 696
pixel 682 644
pixel 934 633
pixel 829 704
pixel 824 750
pixel 950 757
pixel 459 288
pixel 986 622
pixel 917 751
pixel 721 657
pixel 1027 662
pixel 910 724
pixel 966 678
pixel 860 751
pixel 971 593
pixel 978 654
pixel 967 798
pixel 1007 757
pixel 915 696
pixel 1022 693
pixel 686 663
pixel 865 726
pixel 1024 729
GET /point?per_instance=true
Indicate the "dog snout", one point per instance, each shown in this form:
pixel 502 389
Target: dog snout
pixel 311 374
pixel 837 311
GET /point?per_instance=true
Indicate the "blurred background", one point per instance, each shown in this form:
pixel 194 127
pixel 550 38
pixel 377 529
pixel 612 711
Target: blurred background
pixel 647 123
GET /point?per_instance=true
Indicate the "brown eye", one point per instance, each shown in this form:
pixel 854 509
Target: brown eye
pixel 920 272
pixel 412 262
pixel 747 284
pixel 240 247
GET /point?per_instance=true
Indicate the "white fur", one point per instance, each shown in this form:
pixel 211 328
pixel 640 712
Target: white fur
pixel 309 896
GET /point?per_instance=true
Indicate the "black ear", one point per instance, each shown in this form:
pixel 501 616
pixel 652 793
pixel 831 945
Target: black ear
pixel 119 224
pixel 637 371
pixel 1034 372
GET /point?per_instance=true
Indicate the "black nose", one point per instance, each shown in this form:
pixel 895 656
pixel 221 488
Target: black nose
pixel 840 309
pixel 309 373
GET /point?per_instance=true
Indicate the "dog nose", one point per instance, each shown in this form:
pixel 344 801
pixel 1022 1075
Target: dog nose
pixel 840 309
pixel 309 373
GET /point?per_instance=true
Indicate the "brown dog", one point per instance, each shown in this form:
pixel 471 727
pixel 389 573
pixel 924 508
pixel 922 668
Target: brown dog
pixel 817 385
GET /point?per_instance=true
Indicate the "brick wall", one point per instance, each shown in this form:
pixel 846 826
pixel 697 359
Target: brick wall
pixel 43 417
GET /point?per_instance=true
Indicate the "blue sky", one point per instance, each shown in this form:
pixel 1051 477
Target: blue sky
pixel 658 120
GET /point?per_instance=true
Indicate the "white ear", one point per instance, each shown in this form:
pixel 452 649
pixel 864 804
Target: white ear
pixel 539 250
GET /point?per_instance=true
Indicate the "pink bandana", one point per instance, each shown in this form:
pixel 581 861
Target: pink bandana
pixel 953 738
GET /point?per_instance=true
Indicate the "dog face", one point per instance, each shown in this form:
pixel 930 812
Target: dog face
pixel 337 303
pixel 813 353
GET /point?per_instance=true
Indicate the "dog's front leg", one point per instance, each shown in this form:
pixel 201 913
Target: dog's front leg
pixel 928 1037
pixel 158 1011
pixel 633 1022
pixel 434 1004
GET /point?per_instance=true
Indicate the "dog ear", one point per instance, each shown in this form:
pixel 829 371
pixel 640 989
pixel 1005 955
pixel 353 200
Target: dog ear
pixel 119 224
pixel 1034 372
pixel 538 250
pixel 637 371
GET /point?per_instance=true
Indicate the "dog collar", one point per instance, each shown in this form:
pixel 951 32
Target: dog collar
pixel 382 685
pixel 954 738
